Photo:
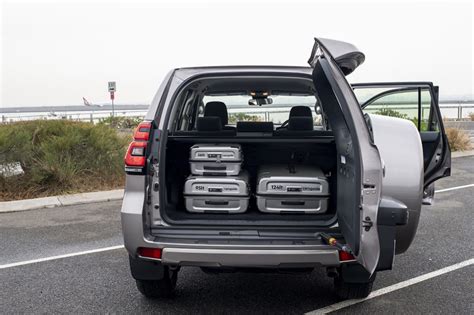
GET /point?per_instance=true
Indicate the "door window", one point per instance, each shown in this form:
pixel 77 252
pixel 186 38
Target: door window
pixel 412 103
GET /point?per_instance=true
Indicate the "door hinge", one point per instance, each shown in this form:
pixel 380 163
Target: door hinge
pixel 367 224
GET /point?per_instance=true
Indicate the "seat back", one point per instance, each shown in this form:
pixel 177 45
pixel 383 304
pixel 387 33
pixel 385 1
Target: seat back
pixel 300 123
pixel 300 111
pixel 218 109
pixel 211 123
pixel 208 127
pixel 255 126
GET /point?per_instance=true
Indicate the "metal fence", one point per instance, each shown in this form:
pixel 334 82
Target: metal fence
pixel 451 111
pixel 88 116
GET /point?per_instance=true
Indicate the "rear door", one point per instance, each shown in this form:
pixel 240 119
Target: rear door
pixel 418 102
pixel 359 177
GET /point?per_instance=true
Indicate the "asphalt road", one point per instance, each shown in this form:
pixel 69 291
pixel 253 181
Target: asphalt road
pixel 101 283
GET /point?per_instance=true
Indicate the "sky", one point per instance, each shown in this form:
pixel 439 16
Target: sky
pixel 55 53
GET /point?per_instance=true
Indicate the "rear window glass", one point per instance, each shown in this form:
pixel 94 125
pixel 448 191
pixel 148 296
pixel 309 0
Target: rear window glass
pixel 238 107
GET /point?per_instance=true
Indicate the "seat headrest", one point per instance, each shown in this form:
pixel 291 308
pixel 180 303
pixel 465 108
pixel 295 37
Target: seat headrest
pixel 254 126
pixel 300 111
pixel 300 123
pixel 217 109
pixel 211 123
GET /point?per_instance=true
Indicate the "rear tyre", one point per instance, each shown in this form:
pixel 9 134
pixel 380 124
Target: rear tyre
pixel 163 288
pixel 346 290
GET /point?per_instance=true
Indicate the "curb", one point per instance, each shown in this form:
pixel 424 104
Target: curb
pixel 462 153
pixel 58 201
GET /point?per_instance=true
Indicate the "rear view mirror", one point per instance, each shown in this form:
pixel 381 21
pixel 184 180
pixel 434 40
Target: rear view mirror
pixel 260 101
pixel 260 98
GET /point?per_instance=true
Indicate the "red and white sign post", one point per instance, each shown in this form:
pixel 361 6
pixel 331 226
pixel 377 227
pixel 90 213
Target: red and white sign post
pixel 112 90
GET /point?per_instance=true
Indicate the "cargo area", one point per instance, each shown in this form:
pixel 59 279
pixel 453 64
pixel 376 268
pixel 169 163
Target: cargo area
pixel 278 124
pixel 257 154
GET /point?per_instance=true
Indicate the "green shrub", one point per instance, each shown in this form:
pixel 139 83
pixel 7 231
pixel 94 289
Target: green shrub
pixel 60 156
pixel 235 117
pixel 391 112
pixel 121 122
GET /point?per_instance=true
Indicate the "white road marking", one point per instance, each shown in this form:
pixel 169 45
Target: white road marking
pixel 454 188
pixel 86 252
pixel 394 287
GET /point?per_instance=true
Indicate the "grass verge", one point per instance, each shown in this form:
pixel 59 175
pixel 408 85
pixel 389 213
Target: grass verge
pixel 60 157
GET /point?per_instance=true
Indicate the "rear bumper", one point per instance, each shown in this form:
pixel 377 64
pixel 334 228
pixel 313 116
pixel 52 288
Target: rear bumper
pixel 226 253
pixel 263 258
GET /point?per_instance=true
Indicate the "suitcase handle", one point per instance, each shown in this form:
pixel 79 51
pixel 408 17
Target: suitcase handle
pixel 216 203
pixel 292 203
pixel 215 168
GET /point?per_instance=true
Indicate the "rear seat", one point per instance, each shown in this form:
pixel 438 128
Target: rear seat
pixel 208 126
pixel 212 125
pixel 218 109
pixel 299 126
pixel 300 123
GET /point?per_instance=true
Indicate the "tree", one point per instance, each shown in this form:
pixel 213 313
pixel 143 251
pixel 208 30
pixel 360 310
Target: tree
pixel 235 117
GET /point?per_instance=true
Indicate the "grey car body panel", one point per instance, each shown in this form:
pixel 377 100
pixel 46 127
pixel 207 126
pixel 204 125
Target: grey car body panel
pixel 134 236
pixel 347 56
pixel 403 168
pixel 269 258
pixel 136 207
pixel 151 114
pixel 133 205
pixel 370 163
pixel 184 74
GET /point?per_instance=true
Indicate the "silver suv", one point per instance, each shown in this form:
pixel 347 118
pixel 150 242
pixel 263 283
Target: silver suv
pixel 379 147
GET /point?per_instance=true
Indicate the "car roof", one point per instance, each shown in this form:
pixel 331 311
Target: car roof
pixel 186 72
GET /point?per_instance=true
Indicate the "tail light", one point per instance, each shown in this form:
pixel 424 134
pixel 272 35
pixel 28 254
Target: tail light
pixel 135 158
pixel 344 256
pixel 142 132
pixel 147 252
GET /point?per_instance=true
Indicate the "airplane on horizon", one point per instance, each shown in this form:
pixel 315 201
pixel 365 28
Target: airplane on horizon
pixel 87 103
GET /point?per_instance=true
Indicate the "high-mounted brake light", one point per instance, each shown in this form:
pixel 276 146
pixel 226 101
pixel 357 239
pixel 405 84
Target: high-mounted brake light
pixel 147 252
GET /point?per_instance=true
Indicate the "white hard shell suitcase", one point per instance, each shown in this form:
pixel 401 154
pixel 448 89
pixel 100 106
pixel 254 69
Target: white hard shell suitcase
pixel 292 189
pixel 217 194
pixel 215 159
